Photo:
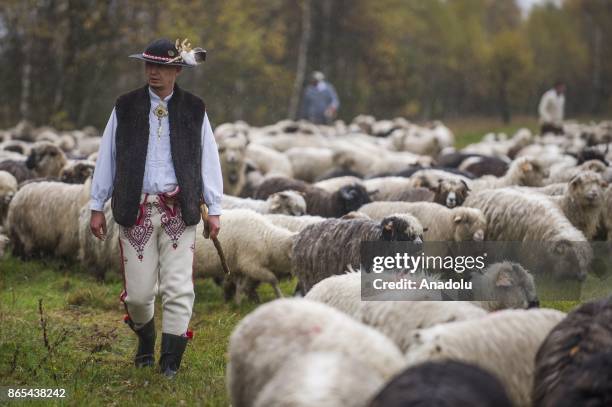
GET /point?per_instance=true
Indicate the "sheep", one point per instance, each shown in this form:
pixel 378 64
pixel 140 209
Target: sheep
pixel 293 223
pixel 285 202
pixel 512 340
pixel 232 155
pixel 448 190
pixel 514 216
pixel 318 201
pixel 396 319
pixel 415 140
pixel 443 383
pixel 378 161
pixel 254 248
pixel 586 331
pixel 263 341
pixel 442 224
pixel 77 172
pixel 8 188
pixel 523 171
pixel 97 256
pixel 333 184
pixel 308 163
pixel 568 174
pixel 483 165
pixel 268 161
pixel 45 160
pixel 582 202
pixel 606 214
pixel 315 255
pixel 54 201
pixel 325 379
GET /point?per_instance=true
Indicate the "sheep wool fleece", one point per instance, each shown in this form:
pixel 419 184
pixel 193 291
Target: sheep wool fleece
pixel 157 255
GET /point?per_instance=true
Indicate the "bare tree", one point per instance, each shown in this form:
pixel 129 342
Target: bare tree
pixel 302 59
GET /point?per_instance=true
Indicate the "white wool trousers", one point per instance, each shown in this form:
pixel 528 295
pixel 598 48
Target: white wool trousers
pixel 157 258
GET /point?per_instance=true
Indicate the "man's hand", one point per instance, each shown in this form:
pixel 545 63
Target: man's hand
pixel 97 224
pixel 214 224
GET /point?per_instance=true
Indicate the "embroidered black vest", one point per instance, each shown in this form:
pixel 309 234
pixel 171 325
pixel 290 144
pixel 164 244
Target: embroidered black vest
pixel 185 115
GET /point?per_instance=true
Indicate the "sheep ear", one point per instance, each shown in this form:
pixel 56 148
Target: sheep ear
pixel 604 184
pixel 418 183
pixel 388 232
pixel 503 280
pixel 526 166
pixel 467 187
pixel 425 230
pixel 457 219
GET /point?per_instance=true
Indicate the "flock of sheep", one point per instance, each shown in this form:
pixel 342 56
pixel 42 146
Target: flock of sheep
pixel 299 201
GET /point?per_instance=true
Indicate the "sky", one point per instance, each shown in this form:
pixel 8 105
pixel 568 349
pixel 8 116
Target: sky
pixel 527 4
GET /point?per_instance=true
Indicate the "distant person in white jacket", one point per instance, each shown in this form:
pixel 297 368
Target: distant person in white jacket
pixel 551 109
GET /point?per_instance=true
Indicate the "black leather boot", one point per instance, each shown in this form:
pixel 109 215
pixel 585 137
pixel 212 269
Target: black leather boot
pixel 145 354
pixel 172 348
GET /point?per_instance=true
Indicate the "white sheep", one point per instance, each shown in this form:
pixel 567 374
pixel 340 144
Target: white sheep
pixel 334 184
pixel 439 222
pixel 293 223
pixel 44 217
pixel 285 202
pixel 269 161
pixel 504 342
pixel 263 341
pixel 308 163
pixel 8 188
pixel 98 256
pixel 322 379
pixel 254 247
pixel 524 171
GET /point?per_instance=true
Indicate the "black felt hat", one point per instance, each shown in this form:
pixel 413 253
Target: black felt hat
pixel 164 52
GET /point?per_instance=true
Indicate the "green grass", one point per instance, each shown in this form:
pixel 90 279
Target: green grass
pixel 472 129
pixel 90 348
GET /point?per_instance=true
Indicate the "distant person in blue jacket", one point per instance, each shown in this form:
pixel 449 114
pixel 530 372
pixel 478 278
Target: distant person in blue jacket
pixel 320 103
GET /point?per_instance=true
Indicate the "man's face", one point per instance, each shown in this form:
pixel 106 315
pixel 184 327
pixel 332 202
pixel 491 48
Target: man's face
pixel 560 89
pixel 161 76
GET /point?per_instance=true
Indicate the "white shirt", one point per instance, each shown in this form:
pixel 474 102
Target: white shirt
pixel 159 176
pixel 551 107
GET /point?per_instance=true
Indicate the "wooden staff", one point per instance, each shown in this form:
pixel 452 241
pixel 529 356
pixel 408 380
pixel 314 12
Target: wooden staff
pixel 216 242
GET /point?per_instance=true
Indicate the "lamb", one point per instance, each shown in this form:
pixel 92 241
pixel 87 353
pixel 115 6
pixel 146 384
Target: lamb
pixel 318 201
pixel 441 224
pixel 254 248
pixel 363 162
pixel 54 201
pixel 315 254
pixel 263 341
pixel 514 216
pixel 286 202
pixel 586 331
pixel 8 188
pixel 268 161
pixel 232 155
pixel 582 202
pixel 443 383
pixel 513 338
pixel 523 171
pixel 325 379
pixel 293 223
pixel 45 160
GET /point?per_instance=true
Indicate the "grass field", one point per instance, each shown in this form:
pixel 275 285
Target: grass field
pixel 60 328
pixel 90 349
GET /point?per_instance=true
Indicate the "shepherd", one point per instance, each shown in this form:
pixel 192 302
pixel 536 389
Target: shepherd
pixel 158 162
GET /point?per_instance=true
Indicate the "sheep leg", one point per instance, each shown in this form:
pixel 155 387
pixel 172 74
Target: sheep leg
pixel 264 275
